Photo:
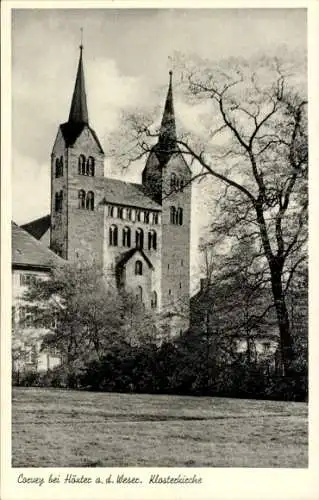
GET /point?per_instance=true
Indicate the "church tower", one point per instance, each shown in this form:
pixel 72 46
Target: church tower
pixel 77 175
pixel 167 178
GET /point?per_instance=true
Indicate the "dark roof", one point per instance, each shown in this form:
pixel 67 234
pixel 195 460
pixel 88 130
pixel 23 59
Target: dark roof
pixel 38 227
pixel 79 110
pixel 125 257
pixel 71 131
pixel 166 145
pixel 29 252
pixel 128 193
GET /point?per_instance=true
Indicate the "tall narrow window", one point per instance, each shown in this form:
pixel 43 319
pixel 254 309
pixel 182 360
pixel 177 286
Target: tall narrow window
pixel 120 212
pixel 126 237
pixel 180 217
pixel 139 268
pixel 89 202
pixel 146 217
pixel 90 166
pixel 182 185
pixel 139 238
pixel 139 295
pixel 81 164
pixel 58 201
pixel 61 166
pixel 113 236
pixel 110 210
pixel 152 243
pixel 154 300
pixel 155 218
pixel 173 215
pixel 173 182
pixel 81 198
pixel 57 167
pixel 129 214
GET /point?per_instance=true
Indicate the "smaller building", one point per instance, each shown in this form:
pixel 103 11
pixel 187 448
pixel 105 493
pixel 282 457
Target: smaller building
pixel 31 261
pixel 219 314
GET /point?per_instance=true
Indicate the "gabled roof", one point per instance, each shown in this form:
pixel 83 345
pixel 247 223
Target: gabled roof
pixel 126 256
pixel 38 227
pixel 128 193
pixel 28 252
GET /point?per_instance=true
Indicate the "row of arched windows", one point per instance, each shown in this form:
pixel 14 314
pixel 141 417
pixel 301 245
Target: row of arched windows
pixel 126 237
pixel 86 200
pixel 176 216
pixel 177 184
pixel 58 202
pixel 59 167
pixel 133 214
pixel 86 166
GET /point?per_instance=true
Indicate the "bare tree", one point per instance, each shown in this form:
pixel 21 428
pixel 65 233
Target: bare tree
pixel 255 145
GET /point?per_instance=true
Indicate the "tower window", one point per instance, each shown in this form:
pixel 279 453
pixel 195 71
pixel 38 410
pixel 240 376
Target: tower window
pixel 129 214
pixel 110 210
pixel 155 218
pixel 59 167
pixel 58 201
pixel 173 182
pixel 180 216
pixel 113 236
pixel 89 202
pixel 154 300
pixel 81 165
pixel 126 237
pixel 173 215
pixel 152 243
pixel 180 285
pixel 139 238
pixel 146 217
pixel 90 166
pixel 169 292
pixel 81 198
pixel 139 268
pixel 181 185
pixel 120 212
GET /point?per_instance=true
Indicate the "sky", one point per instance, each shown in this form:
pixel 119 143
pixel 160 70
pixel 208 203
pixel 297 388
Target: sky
pixel 126 63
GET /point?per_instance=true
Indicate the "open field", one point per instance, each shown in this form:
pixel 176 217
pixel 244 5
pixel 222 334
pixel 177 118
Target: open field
pixel 60 428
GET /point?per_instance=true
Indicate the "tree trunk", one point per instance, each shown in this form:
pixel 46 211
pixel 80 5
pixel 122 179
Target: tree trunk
pixel 286 340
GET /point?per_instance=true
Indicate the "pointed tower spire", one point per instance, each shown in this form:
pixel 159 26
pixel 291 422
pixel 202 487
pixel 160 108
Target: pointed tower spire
pixel 79 111
pixel 167 135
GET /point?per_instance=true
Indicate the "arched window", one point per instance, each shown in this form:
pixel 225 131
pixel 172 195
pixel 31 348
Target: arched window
pixel 57 167
pixel 139 295
pixel 58 201
pixel 173 215
pixel 154 300
pixel 120 212
pixel 129 214
pixel 155 218
pixel 113 236
pixel 173 182
pixel 139 267
pixel 110 210
pixel 152 243
pixel 126 237
pixel 146 217
pixel 81 198
pixel 180 216
pixel 61 166
pixel 90 166
pixel 81 165
pixel 139 238
pixel 89 202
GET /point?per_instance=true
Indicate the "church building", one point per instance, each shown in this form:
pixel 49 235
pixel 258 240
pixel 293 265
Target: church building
pixel 138 234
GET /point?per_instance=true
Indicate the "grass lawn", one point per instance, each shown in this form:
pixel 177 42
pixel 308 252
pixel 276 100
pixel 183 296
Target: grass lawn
pixel 61 428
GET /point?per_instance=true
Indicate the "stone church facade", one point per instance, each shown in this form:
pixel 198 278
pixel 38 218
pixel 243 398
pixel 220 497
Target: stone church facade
pixel 139 234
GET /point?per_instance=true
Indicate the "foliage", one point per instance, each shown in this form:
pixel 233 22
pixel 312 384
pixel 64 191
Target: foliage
pixel 252 140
